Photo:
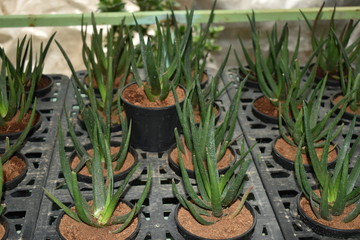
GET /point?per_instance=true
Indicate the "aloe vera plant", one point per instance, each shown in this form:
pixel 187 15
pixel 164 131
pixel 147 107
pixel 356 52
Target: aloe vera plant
pixel 215 192
pixel 338 188
pixel 16 79
pixel 27 68
pixel 161 67
pixel 196 137
pixel 102 65
pixel 291 118
pixel 332 57
pixel 105 198
pixel 278 48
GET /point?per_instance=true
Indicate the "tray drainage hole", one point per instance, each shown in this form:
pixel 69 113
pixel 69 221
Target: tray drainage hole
pixel 147 215
pixel 33 155
pixel 52 220
pixel 38 139
pixel 288 193
pixel 49 99
pixel 36 165
pixel 249 119
pixel 166 181
pixel 264 231
pixel 171 201
pixel 148 237
pixel 268 164
pixel 16 215
pixel 143 155
pixel 280 174
pixel 298 229
pixel 246 100
pixel 160 154
pixel 162 170
pixel 286 205
pixel 46 111
pixel 262 149
pixel 21 193
pixel 169 236
pixel 257 209
pixel 31 182
pixel 263 140
pixel 257 126
pixel 58 84
pixel 138 182
pixel 166 215
pixel 18 228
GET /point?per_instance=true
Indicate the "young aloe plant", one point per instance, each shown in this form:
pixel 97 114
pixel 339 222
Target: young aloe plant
pixel 105 197
pixel 160 65
pixel 196 137
pixel 25 70
pixel 332 56
pixel 215 192
pixel 102 66
pixel 291 118
pixel 277 45
pixel 338 188
pixel 15 80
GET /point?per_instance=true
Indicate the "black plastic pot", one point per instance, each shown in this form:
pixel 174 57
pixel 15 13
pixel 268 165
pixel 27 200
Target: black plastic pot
pixel 346 115
pixel 190 236
pixel 117 177
pixel 289 164
pixel 5 224
pixel 323 229
pixel 14 182
pixel 15 135
pixel 40 92
pixel 152 128
pixel 176 168
pixel 113 127
pixel 132 236
pixel 262 116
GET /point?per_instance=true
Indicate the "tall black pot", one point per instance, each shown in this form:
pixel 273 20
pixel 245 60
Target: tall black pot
pixel 14 182
pixel 152 128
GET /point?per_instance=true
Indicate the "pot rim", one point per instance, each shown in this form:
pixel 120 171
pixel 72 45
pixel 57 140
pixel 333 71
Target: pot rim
pixel 148 108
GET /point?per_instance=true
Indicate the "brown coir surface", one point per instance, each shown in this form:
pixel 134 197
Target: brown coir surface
pixel 13 126
pixel 73 230
pixel 223 163
pixel 13 168
pixel 336 221
pixel 136 96
pixel 129 161
pixel 289 152
pixel 43 83
pixel 348 109
pixel 226 228
pixel 2 231
pixel 264 105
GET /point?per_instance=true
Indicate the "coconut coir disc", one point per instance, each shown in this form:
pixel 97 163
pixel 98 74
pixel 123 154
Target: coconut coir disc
pixel 288 151
pixel 129 161
pixel 224 162
pixel 226 228
pixel 264 105
pixel 136 96
pixel 14 126
pixel 13 168
pixel 73 230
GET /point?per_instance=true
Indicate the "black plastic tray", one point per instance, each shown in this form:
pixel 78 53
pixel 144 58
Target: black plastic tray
pixel 23 202
pixel 157 217
pixel 279 183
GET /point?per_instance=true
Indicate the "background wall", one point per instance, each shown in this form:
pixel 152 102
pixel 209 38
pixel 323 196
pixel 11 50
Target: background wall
pixel 69 37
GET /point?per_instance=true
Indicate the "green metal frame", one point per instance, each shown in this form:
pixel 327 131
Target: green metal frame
pixel 201 16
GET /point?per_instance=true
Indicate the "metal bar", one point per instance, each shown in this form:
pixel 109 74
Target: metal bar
pixel 200 16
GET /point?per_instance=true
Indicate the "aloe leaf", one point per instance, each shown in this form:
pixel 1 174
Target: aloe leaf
pixel 97 178
pixel 127 222
pixel 353 214
pixel 81 206
pixel 324 206
pixel 188 186
pixel 242 202
pixel 67 210
pixel 196 215
pixel 107 213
